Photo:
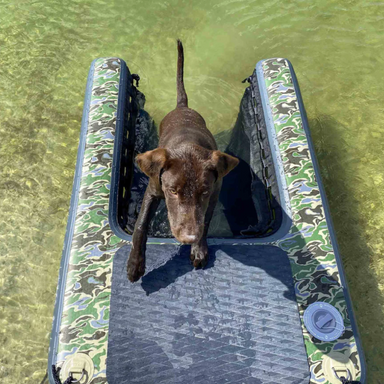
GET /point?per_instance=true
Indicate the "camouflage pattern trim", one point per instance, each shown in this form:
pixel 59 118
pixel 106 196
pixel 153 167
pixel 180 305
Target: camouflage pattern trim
pixel 84 322
pixel 308 243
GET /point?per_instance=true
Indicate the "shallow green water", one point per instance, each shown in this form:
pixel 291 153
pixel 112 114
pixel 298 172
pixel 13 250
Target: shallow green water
pixel 46 48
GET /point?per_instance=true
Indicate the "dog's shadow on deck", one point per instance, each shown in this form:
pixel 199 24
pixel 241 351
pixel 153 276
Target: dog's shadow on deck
pixel 178 265
pixel 227 263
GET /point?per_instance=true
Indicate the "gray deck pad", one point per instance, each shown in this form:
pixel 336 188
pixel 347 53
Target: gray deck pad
pixel 236 321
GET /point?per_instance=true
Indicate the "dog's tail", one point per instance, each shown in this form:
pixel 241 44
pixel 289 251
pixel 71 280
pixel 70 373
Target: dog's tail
pixel 182 99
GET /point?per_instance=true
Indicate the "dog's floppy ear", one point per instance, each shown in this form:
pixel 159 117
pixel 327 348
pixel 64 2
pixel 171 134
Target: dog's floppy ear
pixel 223 163
pixel 152 162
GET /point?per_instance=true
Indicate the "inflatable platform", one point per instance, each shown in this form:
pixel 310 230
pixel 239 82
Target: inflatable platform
pixel 271 306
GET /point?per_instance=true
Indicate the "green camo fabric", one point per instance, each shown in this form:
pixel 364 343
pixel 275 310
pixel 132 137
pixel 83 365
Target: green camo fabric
pixel 85 316
pixel 308 242
pixel 84 323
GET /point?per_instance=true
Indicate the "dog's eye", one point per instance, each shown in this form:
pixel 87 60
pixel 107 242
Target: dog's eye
pixel 205 193
pixel 173 191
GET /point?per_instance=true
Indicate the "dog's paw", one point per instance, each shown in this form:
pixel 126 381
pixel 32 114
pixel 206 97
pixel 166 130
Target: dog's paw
pixel 135 269
pixel 199 254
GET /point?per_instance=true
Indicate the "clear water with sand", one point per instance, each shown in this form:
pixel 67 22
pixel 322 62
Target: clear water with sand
pixel 46 47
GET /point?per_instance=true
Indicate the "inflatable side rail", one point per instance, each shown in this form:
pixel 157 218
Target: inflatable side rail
pixel 311 244
pixel 80 322
pixel 79 338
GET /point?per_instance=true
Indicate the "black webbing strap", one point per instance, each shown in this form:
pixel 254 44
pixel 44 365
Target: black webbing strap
pixel 345 381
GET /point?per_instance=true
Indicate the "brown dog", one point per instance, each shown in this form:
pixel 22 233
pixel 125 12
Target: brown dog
pixel 187 170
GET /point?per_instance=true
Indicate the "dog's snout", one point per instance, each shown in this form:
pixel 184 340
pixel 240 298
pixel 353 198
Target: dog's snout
pixel 188 239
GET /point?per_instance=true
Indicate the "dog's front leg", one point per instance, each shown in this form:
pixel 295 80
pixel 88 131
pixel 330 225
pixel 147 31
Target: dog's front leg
pixel 136 261
pixel 199 251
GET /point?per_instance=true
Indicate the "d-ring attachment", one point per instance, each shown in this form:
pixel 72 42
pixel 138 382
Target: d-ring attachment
pixel 78 380
pixel 79 364
pixel 348 374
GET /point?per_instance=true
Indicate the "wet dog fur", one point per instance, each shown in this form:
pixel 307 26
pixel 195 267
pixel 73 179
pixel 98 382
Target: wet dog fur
pixel 186 170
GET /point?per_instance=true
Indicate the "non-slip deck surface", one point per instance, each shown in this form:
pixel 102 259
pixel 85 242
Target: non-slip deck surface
pixel 234 322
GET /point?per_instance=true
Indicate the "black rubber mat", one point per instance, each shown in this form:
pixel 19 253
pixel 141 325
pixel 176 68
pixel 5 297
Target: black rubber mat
pixel 236 321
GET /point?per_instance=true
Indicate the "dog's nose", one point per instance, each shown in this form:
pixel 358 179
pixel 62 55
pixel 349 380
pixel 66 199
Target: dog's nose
pixel 188 239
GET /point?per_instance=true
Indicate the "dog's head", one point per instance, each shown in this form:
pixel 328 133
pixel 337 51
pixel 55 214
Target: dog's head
pixel 188 177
